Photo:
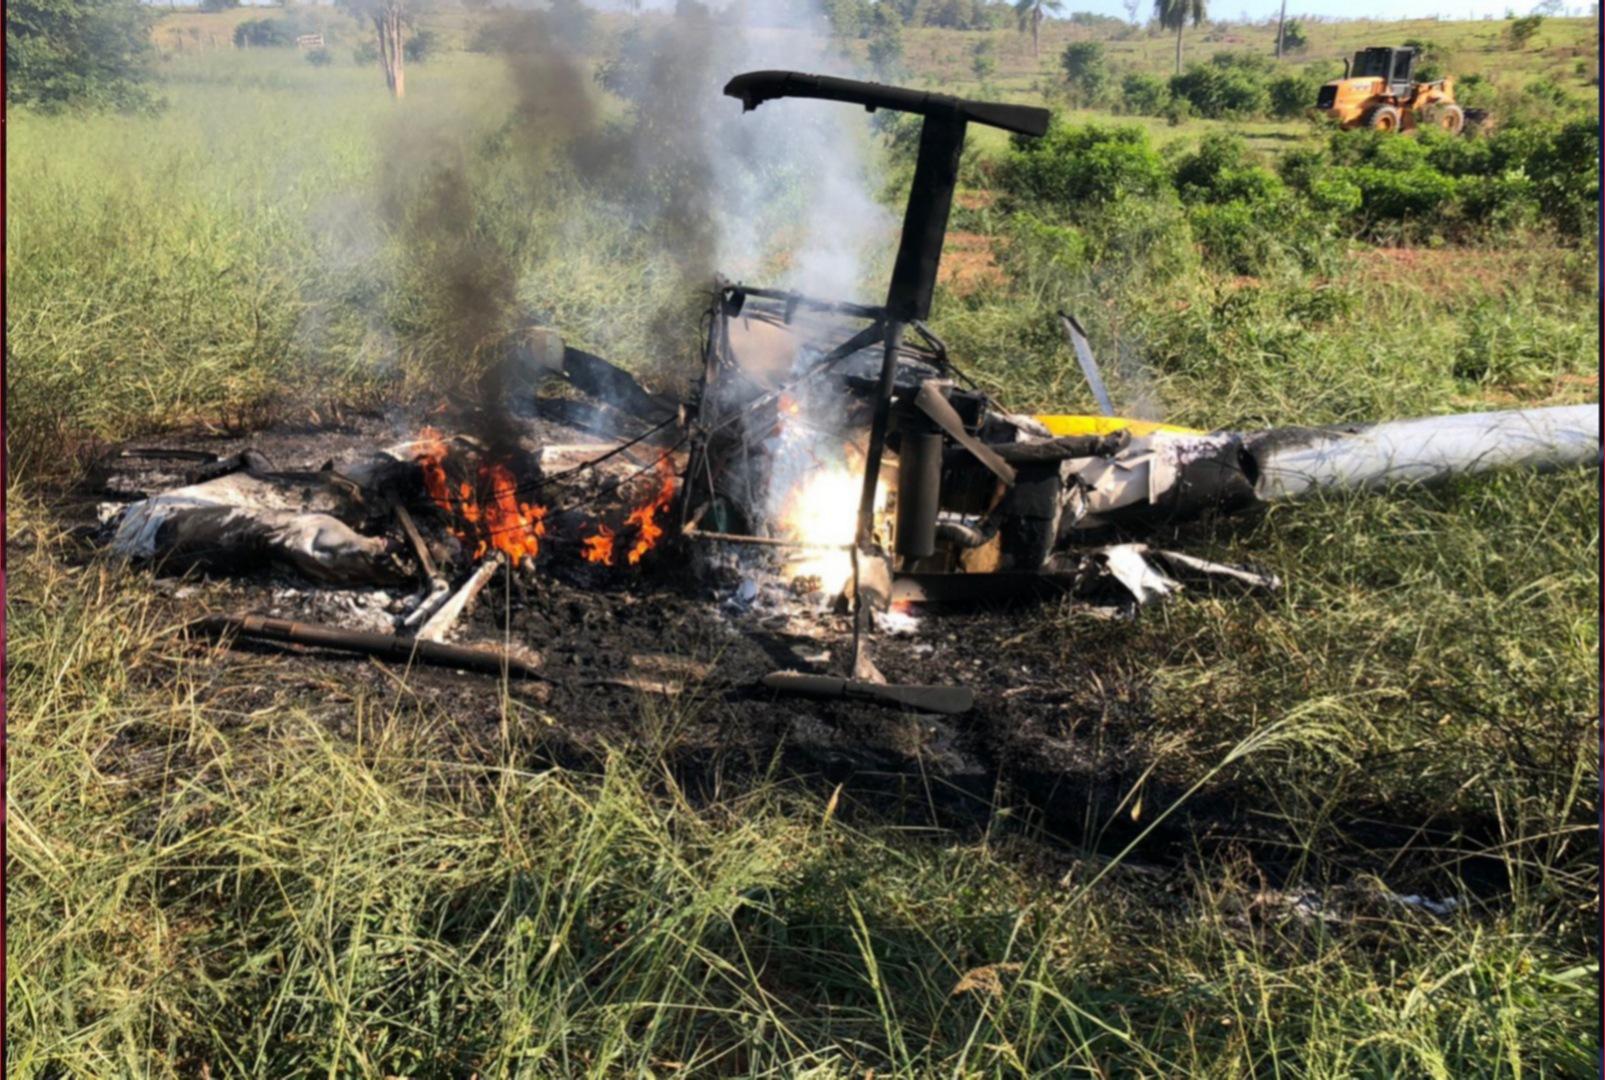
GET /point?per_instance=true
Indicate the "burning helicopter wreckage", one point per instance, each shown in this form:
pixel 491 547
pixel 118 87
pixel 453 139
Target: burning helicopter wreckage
pixel 829 439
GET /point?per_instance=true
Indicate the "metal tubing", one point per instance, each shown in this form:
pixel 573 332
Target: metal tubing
pixel 1426 450
pixel 367 643
pixel 864 534
pixel 760 541
pixel 919 490
pixel 877 434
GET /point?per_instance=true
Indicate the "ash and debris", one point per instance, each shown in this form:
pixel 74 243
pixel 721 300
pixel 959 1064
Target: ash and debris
pixel 681 641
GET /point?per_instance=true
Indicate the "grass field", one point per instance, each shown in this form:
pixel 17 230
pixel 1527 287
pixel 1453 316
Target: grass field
pixel 212 872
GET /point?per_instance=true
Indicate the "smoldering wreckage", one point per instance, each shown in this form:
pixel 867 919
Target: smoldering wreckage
pixel 830 479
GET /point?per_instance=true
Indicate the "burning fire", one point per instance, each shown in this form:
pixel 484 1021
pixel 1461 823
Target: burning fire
pixel 823 509
pixel 598 548
pixel 644 516
pixel 485 515
pixel 488 514
pixel 512 527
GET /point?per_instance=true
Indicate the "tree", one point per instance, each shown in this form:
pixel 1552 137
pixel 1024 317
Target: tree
pixel 1131 7
pixel 1173 15
pixel 1294 39
pixel 1029 14
pixel 1521 30
pixel 983 58
pixel 1085 70
pixel 61 53
pixel 885 40
pixel 388 17
pixel 848 18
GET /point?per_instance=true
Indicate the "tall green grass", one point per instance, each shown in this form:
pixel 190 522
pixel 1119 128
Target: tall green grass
pixel 245 252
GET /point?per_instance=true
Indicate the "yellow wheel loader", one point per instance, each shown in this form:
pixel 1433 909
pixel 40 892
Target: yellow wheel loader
pixel 1378 91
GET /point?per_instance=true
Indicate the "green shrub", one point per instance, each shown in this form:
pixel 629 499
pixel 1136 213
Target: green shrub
pixel 1391 152
pixel 1301 165
pixel 1134 240
pixel 1222 91
pixel 1564 167
pixel 1414 195
pixel 1294 39
pixel 1504 202
pixel 1219 172
pixel 1334 195
pixel 421 46
pixel 1291 95
pixel 1523 173
pixel 1243 216
pixel 1144 95
pixel 984 58
pixel 1548 92
pixel 1520 31
pixel 1362 146
pixel 1475 91
pixel 1234 236
pixel 1458 155
pixel 1081 168
pixel 264 33
pixel 366 53
pixel 93 53
pixel 1037 248
pixel 319 57
pixel 1085 70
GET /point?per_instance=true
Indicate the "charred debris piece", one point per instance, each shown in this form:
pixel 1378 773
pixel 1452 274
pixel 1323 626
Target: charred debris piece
pixel 829 447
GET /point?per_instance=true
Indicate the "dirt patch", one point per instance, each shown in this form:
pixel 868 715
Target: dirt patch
pixel 1442 269
pixel 969 264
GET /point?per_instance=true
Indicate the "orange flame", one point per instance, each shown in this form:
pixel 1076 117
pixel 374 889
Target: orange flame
pixel 512 527
pixel 644 516
pixel 599 548
pixel 431 459
pixel 491 517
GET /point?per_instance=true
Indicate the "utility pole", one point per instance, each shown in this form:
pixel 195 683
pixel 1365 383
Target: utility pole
pixel 1281 25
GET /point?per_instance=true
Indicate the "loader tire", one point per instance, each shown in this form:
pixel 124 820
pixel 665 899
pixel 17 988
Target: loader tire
pixel 1451 118
pixel 1383 118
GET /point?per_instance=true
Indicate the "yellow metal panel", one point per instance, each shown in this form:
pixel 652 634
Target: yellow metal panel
pixel 1105 425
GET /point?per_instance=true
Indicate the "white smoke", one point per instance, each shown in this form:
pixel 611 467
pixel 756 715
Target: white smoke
pixel 794 201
